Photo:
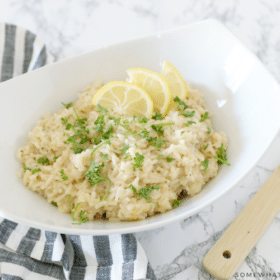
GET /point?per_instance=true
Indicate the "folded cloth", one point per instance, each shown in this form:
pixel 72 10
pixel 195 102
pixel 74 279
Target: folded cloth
pixel 30 253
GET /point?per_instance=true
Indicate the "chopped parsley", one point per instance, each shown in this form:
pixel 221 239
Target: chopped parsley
pixel 43 160
pixel 168 159
pixel 208 130
pixel 106 156
pixel 68 126
pixel 94 176
pixel 157 116
pixel 204 117
pixel 181 104
pixel 100 123
pixel 156 142
pixel 101 109
pixel 188 123
pixel 21 151
pixel 64 120
pixel 176 203
pixel 221 155
pixel 205 147
pixel 82 219
pixel 142 119
pixel 35 170
pixel 63 176
pixel 67 105
pixel 26 168
pixel 144 192
pixel 54 204
pixel 188 114
pixel 138 160
pixel 159 127
pixel 127 155
pixel 144 133
pixel 205 164
pixel 124 148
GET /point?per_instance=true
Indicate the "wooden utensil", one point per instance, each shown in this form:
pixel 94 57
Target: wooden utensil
pixel 229 252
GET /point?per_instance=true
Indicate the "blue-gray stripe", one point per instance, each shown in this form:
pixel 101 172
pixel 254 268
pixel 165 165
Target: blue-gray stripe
pixel 42 59
pixel 8 54
pixel 28 50
pixel 103 256
pixel 129 251
pixel 48 249
pixel 49 269
pixel 78 270
pixel 10 277
pixel 28 242
pixel 6 228
pixel 68 253
pixel 150 273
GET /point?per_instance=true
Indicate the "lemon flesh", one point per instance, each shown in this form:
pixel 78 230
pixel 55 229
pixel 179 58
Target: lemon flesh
pixel 155 85
pixel 125 98
pixel 176 82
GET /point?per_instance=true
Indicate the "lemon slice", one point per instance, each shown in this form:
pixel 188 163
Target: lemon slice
pixel 154 84
pixel 125 98
pixel 176 82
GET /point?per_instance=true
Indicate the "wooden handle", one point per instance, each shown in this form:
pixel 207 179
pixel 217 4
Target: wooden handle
pixel 232 248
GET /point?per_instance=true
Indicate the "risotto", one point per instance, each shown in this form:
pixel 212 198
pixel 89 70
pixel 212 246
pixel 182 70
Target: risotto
pixel 94 163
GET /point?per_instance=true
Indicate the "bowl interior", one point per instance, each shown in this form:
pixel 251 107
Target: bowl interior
pixel 242 95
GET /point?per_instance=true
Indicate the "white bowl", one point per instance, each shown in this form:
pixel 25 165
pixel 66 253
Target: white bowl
pixel 242 94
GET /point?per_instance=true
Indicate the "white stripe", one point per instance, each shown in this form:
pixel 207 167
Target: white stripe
pixel 2 44
pixel 21 271
pixel 58 248
pixel 116 251
pixel 90 273
pixel 38 249
pixel 16 236
pixel 88 250
pixel 19 51
pixel 37 47
pixel 140 264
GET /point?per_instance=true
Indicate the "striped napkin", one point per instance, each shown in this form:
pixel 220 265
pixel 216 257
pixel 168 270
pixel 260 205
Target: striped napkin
pixel 30 253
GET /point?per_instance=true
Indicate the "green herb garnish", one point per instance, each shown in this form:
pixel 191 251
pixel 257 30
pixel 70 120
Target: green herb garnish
pixel 156 142
pixel 159 127
pixel 142 119
pixel 168 159
pixel 124 148
pixel 157 116
pixel 35 170
pixel 205 164
pixel 144 192
pixel 188 123
pixel 101 109
pixel 99 123
pixel 221 156
pixel 43 160
pixel 54 204
pixel 176 203
pixel 64 120
pixel 188 114
pixel 67 105
pixel 63 176
pixel 181 104
pixel 138 160
pixel 73 212
pixel 26 168
pixel 204 117
pixel 106 156
pixel 208 129
pixel 54 159
pixel 127 155
pixel 205 147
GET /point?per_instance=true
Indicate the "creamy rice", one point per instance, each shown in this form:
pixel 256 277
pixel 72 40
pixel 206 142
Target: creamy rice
pixel 189 146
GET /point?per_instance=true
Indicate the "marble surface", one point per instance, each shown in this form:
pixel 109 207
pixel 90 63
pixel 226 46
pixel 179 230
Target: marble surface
pixel 71 27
